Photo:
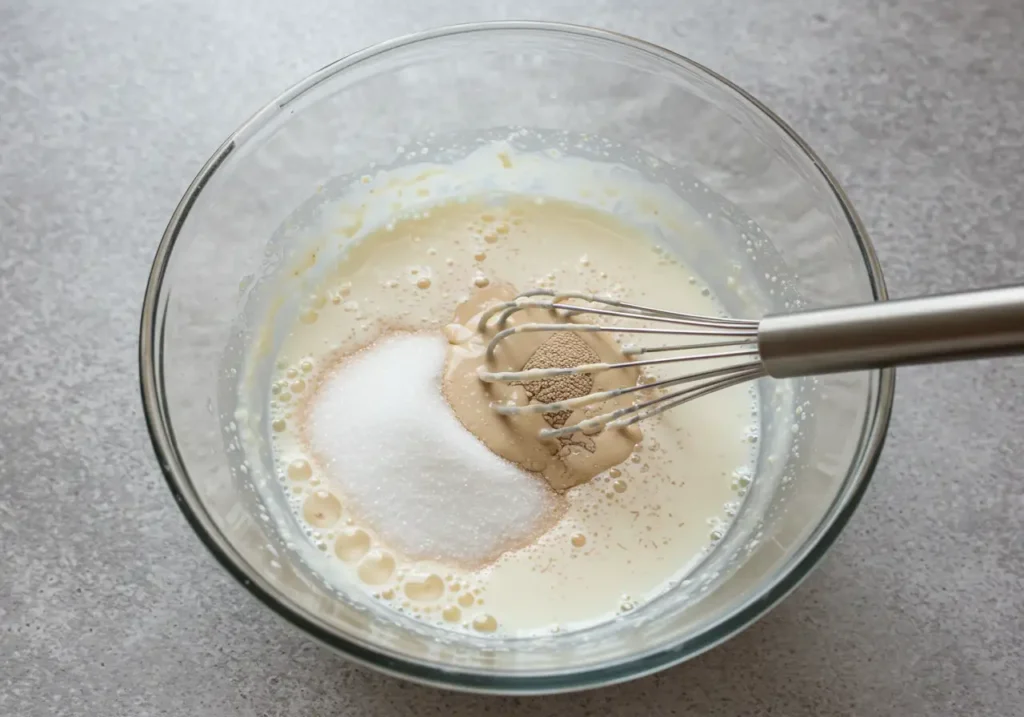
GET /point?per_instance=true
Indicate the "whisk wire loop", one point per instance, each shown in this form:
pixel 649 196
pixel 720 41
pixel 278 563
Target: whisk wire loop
pixel 715 339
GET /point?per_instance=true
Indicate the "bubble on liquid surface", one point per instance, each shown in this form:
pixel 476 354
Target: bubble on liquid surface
pixel 424 589
pixel 376 568
pixel 299 469
pixel 485 623
pixel 322 509
pixel 352 545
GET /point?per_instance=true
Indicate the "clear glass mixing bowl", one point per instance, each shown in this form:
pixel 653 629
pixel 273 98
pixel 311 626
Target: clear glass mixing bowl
pixel 773 207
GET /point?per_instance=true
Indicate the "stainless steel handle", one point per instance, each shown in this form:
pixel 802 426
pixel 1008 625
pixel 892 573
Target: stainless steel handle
pixel 950 327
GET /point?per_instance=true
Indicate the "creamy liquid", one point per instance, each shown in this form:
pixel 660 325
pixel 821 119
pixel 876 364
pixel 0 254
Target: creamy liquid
pixel 615 540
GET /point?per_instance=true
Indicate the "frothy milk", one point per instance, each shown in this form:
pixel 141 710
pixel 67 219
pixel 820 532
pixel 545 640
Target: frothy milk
pixel 407 509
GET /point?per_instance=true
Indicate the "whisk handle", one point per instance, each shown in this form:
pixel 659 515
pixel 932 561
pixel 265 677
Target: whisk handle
pixel 950 327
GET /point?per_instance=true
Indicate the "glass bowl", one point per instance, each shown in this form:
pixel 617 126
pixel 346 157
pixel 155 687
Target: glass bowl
pixel 772 206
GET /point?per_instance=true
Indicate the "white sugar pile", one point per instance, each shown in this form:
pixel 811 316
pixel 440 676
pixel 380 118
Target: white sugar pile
pixel 388 440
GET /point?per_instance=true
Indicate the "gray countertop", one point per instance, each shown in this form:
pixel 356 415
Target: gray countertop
pixel 110 606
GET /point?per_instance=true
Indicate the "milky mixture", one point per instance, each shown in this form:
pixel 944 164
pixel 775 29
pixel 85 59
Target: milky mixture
pixel 417 494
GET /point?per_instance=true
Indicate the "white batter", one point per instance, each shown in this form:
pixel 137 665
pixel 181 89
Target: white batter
pixel 415 512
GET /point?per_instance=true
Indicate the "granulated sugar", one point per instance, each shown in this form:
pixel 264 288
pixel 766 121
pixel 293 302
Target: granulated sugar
pixel 385 436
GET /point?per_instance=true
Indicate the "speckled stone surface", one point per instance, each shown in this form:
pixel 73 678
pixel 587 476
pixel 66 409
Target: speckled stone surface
pixel 110 606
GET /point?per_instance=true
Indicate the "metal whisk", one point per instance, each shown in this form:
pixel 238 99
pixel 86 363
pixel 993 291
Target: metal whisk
pixel 929 329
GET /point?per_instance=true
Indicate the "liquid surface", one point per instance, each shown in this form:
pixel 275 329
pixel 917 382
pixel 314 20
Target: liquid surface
pixel 411 508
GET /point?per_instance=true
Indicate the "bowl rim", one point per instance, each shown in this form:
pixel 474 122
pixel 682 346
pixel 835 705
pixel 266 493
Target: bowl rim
pixel 186 496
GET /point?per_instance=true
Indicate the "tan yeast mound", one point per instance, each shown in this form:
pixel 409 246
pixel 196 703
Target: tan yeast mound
pixel 563 462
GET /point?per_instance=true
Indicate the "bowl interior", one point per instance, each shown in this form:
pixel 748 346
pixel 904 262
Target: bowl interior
pixel 770 211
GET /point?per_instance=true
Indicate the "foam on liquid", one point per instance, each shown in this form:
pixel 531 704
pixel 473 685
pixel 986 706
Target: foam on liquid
pixel 409 508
